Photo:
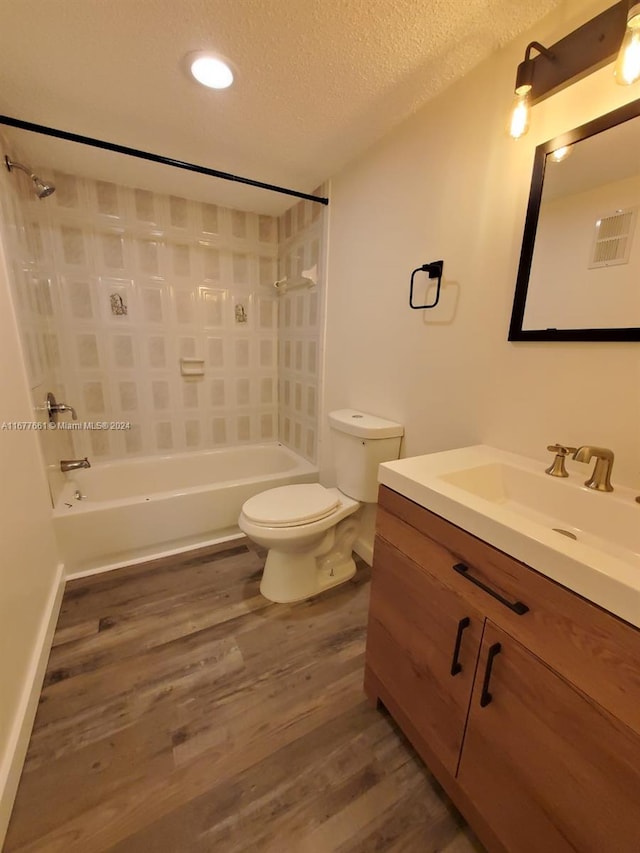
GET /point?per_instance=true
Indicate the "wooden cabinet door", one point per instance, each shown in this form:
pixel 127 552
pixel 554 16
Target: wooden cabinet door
pixel 548 768
pixel 422 644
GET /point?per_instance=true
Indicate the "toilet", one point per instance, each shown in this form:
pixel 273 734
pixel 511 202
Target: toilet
pixel 308 529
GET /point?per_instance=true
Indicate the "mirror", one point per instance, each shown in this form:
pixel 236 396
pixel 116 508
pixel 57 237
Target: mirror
pixel 579 273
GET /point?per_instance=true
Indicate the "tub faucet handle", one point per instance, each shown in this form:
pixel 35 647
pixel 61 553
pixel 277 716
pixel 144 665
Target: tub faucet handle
pixel 557 469
pixel 54 409
pixel 62 407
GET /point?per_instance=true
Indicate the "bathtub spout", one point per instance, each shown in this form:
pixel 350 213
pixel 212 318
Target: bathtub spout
pixel 74 464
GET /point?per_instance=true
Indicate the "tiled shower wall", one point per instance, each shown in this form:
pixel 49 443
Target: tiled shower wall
pixel 143 280
pixel 300 232
pixel 114 285
pixel 31 290
pixel 33 295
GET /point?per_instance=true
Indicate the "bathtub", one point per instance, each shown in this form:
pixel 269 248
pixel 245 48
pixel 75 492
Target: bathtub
pixel 153 506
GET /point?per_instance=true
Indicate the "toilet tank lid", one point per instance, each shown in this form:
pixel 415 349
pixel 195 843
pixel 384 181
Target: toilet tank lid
pixel 363 425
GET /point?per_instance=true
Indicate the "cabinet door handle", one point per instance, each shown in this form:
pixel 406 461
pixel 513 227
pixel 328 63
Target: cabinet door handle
pixel 456 666
pixel 517 606
pixel 485 696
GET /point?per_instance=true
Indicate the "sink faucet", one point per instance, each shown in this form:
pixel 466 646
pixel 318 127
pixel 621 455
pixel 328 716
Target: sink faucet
pixel 74 464
pixel 600 479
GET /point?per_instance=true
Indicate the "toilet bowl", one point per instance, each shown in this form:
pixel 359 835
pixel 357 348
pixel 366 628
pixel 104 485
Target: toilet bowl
pixel 308 529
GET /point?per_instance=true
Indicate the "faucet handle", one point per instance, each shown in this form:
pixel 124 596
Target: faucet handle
pixel 561 450
pixel 557 469
pixel 54 409
pixel 62 407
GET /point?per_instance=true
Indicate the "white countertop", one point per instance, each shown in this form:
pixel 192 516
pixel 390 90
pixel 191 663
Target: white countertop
pixel 508 501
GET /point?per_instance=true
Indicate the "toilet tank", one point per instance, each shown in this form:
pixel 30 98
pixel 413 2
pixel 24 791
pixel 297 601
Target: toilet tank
pixel 360 443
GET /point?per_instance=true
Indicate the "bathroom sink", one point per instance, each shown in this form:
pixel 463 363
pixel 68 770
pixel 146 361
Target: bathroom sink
pixel 589 541
pixel 570 510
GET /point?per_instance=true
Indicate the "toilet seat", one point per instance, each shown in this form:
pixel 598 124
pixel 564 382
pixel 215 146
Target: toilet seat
pixel 291 506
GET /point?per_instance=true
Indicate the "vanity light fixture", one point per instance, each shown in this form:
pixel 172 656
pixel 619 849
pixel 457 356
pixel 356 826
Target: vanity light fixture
pixel 210 70
pixel 519 123
pixel 583 51
pixel 627 68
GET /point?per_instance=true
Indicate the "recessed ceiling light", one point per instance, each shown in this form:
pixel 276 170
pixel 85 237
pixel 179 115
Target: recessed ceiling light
pixel 210 70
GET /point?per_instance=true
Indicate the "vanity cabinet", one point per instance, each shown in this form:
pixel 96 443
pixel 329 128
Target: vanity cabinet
pixel 424 640
pixel 522 697
pixel 546 766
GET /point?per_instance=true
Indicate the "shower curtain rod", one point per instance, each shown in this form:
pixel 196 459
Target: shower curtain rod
pixel 154 158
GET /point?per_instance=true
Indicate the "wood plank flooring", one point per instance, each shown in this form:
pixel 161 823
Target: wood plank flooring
pixel 184 712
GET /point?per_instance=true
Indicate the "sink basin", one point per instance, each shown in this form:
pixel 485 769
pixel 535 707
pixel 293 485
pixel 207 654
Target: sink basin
pixel 570 509
pixel 589 541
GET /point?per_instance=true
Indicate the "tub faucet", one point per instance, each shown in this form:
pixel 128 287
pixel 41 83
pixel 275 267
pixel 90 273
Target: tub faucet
pixel 600 479
pixel 74 464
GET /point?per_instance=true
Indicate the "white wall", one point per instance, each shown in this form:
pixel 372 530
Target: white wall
pixel 449 183
pixel 30 578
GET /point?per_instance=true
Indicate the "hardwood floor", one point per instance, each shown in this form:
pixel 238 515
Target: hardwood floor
pixel 184 712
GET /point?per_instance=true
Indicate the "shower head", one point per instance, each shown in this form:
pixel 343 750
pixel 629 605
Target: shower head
pixel 42 189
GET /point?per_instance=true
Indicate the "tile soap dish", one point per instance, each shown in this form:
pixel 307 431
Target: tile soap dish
pixel 192 366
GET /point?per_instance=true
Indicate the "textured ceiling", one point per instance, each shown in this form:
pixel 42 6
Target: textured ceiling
pixel 318 81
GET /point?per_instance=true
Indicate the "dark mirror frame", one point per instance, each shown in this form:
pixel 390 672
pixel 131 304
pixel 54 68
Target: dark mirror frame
pixel 516 332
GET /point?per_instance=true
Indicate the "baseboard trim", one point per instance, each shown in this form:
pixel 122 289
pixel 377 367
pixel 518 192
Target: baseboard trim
pixel 16 751
pixel 364 549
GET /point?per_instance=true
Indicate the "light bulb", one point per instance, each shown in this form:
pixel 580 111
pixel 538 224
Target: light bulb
pixel 627 69
pixel 519 123
pixel 560 154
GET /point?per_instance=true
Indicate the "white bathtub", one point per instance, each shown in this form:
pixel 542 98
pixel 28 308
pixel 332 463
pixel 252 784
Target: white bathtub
pixel 157 505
